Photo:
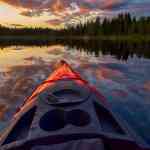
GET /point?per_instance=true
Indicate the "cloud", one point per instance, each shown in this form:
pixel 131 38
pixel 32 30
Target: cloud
pixel 32 13
pixel 74 8
pixel 65 9
pixel 54 22
pixel 60 5
pixel 113 4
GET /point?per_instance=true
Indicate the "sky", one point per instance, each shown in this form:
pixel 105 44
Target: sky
pixel 57 13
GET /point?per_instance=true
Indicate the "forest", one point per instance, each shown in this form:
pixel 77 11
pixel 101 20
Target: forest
pixel 123 25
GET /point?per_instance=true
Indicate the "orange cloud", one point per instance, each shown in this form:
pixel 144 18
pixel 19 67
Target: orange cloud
pixel 84 10
pixel 57 6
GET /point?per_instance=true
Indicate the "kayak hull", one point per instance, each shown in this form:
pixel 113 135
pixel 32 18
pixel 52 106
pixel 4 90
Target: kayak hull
pixel 66 110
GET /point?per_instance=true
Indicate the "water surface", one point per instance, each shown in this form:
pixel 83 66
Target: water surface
pixel 123 80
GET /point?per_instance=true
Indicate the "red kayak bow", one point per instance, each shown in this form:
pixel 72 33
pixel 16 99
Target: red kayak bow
pixel 63 72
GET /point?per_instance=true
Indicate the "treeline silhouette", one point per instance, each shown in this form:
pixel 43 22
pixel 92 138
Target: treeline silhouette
pixel 123 24
pixel 6 31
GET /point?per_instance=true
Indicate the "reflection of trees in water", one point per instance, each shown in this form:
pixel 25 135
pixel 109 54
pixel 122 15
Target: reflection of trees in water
pixel 27 42
pixel 118 48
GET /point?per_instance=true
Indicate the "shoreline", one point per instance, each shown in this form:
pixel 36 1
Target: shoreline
pixel 130 38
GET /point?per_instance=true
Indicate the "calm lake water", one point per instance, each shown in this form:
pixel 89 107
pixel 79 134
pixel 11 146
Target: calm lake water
pixel 122 77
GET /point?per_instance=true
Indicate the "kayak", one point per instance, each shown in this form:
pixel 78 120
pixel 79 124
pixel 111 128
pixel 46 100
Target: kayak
pixel 66 113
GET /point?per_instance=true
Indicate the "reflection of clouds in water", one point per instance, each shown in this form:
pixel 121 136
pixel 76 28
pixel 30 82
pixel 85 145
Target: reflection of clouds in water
pixel 21 80
pixel 119 93
pixel 17 48
pixel 33 60
pixel 3 109
pixel 56 50
pixel 147 86
pixel 11 57
pixel 108 73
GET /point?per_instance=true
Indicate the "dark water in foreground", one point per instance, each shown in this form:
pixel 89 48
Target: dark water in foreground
pixel 123 78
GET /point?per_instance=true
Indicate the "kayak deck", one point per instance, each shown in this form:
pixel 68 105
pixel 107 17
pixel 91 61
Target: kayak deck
pixel 65 111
